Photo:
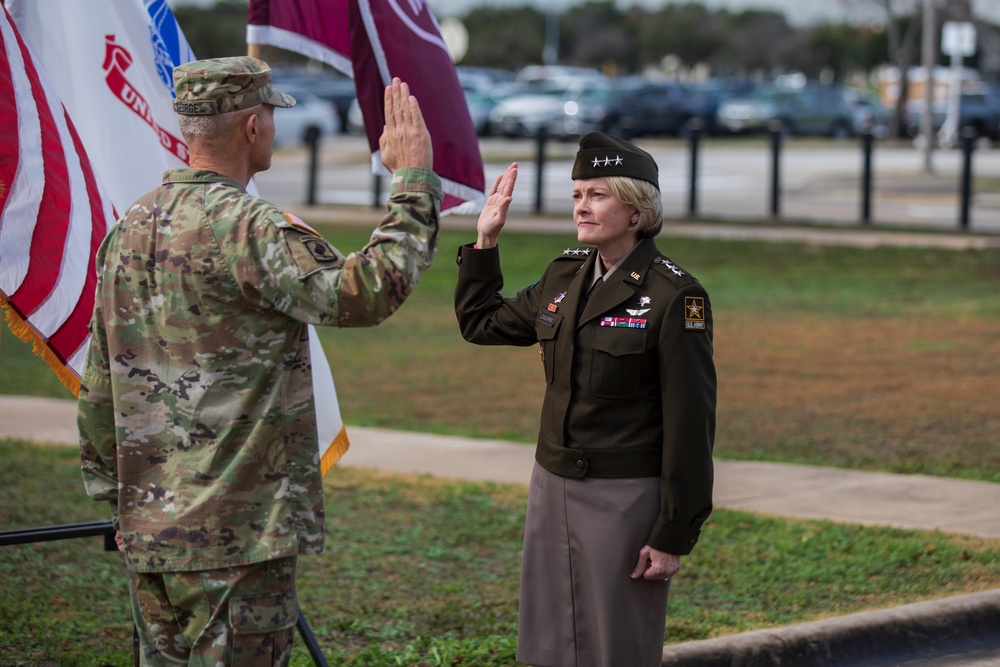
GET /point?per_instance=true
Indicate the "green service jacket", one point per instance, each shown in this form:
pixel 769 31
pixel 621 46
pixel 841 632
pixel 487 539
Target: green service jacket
pixel 631 385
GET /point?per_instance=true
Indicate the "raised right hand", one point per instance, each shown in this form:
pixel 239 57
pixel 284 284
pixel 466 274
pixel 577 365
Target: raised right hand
pixel 494 213
pixel 405 141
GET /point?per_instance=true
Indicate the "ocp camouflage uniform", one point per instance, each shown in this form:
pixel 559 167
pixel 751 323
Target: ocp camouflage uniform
pixel 196 408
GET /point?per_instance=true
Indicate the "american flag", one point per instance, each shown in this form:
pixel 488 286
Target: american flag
pixel 54 213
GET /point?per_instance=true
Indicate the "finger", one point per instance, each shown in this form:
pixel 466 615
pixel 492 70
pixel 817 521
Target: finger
pixel 390 108
pixel 640 567
pixel 496 184
pixel 416 116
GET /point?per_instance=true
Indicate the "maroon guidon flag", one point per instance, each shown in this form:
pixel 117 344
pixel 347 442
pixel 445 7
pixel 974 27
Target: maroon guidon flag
pixel 374 41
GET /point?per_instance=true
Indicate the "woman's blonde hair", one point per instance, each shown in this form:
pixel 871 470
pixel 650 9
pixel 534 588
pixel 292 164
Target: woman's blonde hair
pixel 645 197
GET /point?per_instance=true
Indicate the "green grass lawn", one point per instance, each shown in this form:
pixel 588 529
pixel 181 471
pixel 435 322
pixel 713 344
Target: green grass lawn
pixel 883 359
pixel 424 571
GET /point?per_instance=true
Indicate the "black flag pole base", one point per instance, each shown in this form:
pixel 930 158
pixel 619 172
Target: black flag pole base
pixel 106 530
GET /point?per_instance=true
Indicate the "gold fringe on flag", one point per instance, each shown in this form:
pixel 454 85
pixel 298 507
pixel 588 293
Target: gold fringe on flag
pixel 28 334
pixel 333 453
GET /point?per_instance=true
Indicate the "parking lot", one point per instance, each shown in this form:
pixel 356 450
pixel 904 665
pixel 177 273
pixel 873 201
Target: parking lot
pixel 820 180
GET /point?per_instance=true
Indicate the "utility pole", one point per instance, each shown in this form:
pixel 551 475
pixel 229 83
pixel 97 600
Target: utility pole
pixel 927 118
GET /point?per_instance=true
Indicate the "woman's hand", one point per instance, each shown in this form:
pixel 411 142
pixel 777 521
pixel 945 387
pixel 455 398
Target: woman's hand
pixel 656 565
pixel 494 213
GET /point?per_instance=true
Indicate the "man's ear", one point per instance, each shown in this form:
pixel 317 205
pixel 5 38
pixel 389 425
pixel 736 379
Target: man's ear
pixel 251 128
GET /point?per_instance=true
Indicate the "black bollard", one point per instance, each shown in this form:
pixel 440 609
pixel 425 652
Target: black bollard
pixel 694 139
pixel 541 136
pixel 312 140
pixel 969 136
pixel 776 130
pixel 867 140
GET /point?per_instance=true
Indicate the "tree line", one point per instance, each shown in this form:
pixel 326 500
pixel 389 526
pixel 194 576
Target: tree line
pixel 753 43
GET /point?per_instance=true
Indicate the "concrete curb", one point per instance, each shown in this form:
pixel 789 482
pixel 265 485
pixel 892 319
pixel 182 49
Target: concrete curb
pixel 872 637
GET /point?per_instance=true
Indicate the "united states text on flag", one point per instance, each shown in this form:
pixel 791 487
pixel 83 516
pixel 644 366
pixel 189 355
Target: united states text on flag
pixel 374 41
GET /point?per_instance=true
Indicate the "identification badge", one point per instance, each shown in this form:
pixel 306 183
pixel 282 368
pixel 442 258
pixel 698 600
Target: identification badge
pixel 548 319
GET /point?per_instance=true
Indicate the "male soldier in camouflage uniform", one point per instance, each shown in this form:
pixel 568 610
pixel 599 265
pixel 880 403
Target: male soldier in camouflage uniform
pixel 196 413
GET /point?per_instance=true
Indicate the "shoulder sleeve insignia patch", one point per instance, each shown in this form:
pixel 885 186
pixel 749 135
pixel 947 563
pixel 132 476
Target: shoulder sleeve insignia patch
pixel 694 313
pixel 320 250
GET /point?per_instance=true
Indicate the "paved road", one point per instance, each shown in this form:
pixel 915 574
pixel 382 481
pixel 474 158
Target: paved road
pixel 820 181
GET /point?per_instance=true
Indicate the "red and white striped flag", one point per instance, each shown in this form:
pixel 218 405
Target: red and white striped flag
pixel 54 214
pixel 111 63
pixel 374 41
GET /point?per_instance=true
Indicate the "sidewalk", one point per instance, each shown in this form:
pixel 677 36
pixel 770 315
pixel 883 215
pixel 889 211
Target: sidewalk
pixel 919 502
pixel 907 501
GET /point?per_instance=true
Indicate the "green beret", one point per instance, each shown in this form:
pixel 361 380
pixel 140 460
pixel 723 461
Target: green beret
pixel 602 155
pixel 220 85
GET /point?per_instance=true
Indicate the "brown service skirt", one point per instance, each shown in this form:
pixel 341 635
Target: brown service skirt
pixel 578 605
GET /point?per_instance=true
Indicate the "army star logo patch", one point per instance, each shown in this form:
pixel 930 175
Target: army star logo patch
pixel 694 313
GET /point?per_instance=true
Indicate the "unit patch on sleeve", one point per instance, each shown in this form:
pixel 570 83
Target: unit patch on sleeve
pixel 694 313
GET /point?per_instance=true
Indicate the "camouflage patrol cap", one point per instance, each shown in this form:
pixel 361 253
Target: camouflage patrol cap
pixel 220 85
pixel 603 155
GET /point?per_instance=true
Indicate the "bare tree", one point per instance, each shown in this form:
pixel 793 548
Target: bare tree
pixel 902 25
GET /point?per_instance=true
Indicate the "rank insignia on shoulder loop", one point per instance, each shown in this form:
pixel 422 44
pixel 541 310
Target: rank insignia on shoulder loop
pixel 670 265
pixel 576 251
pixel 694 313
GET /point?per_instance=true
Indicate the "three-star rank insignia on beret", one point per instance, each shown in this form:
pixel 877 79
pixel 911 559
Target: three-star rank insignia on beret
pixel 694 313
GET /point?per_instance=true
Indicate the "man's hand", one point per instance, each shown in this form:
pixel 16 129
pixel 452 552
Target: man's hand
pixel 494 213
pixel 654 565
pixel 405 141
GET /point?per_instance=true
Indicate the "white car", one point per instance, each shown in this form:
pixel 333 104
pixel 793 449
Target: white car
pixel 310 117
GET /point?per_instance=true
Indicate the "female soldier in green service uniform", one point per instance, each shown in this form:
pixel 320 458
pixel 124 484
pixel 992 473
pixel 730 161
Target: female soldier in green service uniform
pixel 623 475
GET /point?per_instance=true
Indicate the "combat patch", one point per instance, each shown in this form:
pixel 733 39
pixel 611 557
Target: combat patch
pixel 694 313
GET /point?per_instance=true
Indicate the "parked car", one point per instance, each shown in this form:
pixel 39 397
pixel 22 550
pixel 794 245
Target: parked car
pixel 868 113
pixel 643 107
pixel 310 117
pixel 334 88
pixel 979 108
pixel 707 96
pixel 542 105
pixel 810 109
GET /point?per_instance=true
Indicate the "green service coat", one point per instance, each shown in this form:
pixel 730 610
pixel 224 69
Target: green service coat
pixel 631 384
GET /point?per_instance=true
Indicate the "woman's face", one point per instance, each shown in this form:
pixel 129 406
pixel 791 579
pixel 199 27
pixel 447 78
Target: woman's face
pixel 600 218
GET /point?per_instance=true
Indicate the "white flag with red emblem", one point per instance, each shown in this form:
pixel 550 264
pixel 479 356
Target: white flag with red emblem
pixel 108 66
